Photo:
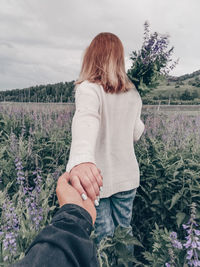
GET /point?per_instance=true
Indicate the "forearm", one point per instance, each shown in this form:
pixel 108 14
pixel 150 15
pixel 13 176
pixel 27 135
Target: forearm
pixel 139 129
pixel 139 125
pixel 64 242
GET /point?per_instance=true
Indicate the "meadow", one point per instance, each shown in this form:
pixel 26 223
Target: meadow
pixel 34 148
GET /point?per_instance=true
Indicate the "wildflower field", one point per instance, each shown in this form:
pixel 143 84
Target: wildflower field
pixel 34 148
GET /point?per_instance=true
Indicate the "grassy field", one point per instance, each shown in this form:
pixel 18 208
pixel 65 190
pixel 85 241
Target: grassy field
pixel 175 109
pixel 35 142
pixel 195 109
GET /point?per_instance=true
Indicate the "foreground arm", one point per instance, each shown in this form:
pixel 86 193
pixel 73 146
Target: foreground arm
pixel 65 241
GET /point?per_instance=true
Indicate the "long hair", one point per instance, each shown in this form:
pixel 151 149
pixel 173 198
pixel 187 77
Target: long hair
pixel 103 63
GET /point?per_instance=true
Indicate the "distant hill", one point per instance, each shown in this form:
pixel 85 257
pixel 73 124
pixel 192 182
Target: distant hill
pixel 184 89
pixel 184 77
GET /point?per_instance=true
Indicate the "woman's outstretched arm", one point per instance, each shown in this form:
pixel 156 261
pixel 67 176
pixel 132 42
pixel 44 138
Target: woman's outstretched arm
pixel 84 174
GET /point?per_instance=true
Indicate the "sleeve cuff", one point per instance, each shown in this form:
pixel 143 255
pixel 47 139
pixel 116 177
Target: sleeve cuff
pixel 82 216
pixel 139 130
pixel 79 159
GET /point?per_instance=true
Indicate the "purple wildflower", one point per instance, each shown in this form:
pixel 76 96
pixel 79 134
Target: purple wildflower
pixel 10 227
pixel 175 242
pixel 33 201
pixel 172 259
pixel 38 179
pixel 193 242
pixel 20 173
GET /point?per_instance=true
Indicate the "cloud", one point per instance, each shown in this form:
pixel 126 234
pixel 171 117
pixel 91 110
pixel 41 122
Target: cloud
pixel 43 41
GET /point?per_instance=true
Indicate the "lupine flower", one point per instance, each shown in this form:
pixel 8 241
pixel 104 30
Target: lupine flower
pixel 193 242
pixel 175 242
pixel 38 179
pixel 13 143
pixel 35 211
pixel 172 259
pixel 20 173
pixel 20 177
pixel 154 47
pixel 10 227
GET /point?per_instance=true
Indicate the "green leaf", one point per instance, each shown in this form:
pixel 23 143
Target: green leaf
pixel 175 198
pixel 156 202
pixel 180 217
pixel 52 208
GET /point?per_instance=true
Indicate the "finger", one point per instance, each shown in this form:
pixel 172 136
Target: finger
pixel 93 181
pixel 97 175
pixel 88 187
pixel 89 206
pixel 75 182
pixel 63 179
pixel 99 181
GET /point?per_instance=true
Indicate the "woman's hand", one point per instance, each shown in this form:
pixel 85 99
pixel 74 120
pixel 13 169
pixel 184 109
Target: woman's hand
pixel 87 180
pixel 66 194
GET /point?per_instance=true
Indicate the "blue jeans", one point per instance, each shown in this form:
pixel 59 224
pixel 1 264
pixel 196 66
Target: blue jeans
pixel 113 211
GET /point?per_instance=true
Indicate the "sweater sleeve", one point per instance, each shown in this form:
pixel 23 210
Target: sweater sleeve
pixel 139 125
pixel 85 125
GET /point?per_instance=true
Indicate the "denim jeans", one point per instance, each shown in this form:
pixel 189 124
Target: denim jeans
pixel 113 211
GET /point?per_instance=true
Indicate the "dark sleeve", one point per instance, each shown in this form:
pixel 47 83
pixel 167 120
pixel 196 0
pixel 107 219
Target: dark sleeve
pixel 64 242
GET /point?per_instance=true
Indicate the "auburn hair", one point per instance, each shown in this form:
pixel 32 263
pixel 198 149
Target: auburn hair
pixel 103 63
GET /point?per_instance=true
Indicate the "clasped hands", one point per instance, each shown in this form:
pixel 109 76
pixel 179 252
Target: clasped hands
pixel 71 187
pixel 86 178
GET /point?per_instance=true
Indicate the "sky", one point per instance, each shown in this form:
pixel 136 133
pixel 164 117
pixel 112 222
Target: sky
pixel 43 41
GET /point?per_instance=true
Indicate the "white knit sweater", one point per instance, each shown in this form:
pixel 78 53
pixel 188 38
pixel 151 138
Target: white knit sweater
pixel 104 128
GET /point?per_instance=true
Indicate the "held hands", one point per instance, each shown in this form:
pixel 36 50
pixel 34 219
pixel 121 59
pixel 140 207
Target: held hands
pixel 66 194
pixel 87 180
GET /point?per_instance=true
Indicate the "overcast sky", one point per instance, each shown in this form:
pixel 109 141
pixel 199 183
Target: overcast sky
pixel 42 41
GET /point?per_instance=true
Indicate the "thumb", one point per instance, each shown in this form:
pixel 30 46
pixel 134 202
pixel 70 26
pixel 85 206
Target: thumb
pixel 64 178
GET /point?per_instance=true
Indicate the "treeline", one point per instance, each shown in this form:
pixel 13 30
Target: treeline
pixel 174 97
pixel 176 92
pixel 177 97
pixel 59 92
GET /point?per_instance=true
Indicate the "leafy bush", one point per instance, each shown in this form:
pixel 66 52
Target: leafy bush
pixel 112 251
pixel 180 253
pixel 168 155
pixel 151 62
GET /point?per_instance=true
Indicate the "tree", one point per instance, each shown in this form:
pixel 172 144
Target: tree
pixel 186 95
pixel 195 94
pixel 151 63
